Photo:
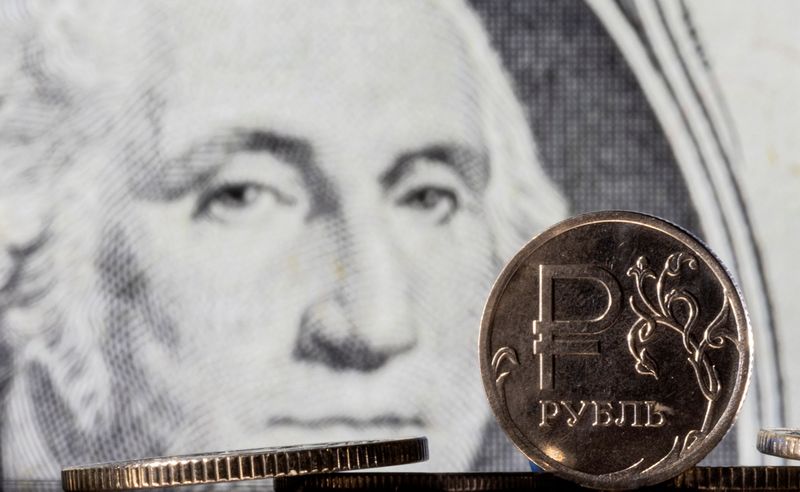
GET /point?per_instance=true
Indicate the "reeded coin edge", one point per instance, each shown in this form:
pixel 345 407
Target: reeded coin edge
pixel 233 466
pixel 619 479
pixel 784 443
pixel 697 478
pixel 739 478
pixel 451 482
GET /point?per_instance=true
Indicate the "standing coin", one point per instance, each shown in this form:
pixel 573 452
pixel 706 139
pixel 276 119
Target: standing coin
pixel 615 350
pixel 248 464
pixel 780 442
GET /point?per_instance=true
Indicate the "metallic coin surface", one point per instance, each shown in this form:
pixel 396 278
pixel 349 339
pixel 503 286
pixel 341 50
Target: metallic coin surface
pixel 399 482
pixel 615 350
pixel 779 442
pixel 763 478
pixel 733 478
pixel 248 464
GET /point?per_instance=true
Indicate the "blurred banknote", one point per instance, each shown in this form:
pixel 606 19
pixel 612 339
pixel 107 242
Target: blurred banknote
pixel 243 224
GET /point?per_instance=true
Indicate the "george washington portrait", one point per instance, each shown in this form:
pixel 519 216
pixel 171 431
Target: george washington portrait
pixel 241 224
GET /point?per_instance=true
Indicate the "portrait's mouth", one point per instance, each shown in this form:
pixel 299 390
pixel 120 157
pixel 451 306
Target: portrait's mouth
pixel 386 420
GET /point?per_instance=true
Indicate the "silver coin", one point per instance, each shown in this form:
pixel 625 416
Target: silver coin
pixel 779 442
pixel 615 350
pixel 441 482
pixel 250 464
pixel 730 478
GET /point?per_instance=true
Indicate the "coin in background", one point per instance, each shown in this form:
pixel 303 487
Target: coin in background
pixel 615 350
pixel 243 465
pixel 779 442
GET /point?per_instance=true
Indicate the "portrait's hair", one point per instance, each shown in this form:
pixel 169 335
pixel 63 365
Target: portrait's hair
pixel 79 138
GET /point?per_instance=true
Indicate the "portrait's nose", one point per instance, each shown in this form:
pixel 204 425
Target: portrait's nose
pixel 364 321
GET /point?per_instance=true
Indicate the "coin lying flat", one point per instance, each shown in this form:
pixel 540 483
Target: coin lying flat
pixel 615 350
pixel 763 478
pixel 243 465
pixel 444 482
pixel 759 478
pixel 780 442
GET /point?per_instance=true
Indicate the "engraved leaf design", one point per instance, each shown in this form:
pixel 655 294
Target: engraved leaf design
pixel 639 334
pixel 712 335
pixel 503 354
pixel 645 365
pixel 647 330
pixel 687 327
pixel 706 373
pixel 691 438
pixel 674 309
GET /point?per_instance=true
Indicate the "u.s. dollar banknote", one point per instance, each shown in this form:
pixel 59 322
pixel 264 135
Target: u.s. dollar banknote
pixel 246 224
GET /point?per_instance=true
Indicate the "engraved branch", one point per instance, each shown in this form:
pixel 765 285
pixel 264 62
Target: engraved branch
pixel 658 300
pixel 501 371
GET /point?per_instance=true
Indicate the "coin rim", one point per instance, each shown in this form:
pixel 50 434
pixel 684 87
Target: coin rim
pixel 783 442
pixel 733 478
pixel 169 471
pixel 721 426
pixel 450 482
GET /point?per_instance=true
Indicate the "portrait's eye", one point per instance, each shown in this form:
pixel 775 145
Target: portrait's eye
pixel 436 202
pixel 230 202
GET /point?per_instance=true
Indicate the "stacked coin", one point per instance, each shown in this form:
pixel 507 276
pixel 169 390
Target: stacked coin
pixel 232 466
pixel 615 350
pixel 784 443
pixel 750 478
